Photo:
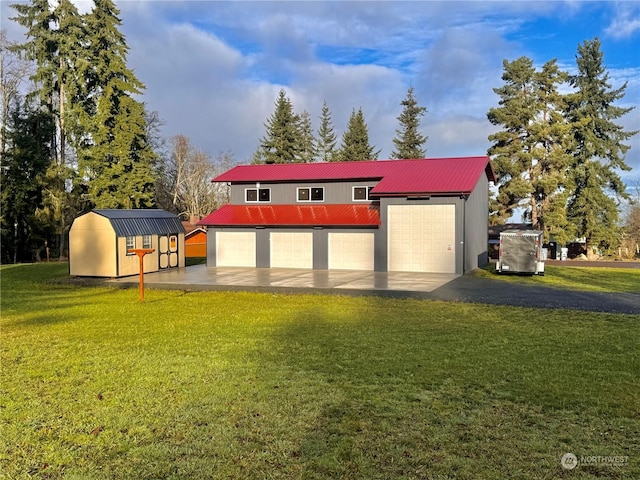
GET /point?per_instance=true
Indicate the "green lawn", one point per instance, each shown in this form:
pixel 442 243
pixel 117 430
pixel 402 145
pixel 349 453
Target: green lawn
pixel 591 279
pixel 239 385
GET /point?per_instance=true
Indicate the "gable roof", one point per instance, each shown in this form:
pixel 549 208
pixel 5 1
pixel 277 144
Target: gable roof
pixel 133 222
pixel 457 175
pixel 192 232
pixel 295 215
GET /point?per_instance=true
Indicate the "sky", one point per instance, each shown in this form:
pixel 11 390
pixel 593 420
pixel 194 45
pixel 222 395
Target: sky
pixel 213 69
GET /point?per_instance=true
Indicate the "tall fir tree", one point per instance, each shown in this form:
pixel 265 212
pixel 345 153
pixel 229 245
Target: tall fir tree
pixel 599 151
pixel 117 160
pixel 281 144
pixel 355 140
pixel 550 179
pixel 55 39
pixel 308 150
pixel 409 141
pixel 530 153
pixel 326 141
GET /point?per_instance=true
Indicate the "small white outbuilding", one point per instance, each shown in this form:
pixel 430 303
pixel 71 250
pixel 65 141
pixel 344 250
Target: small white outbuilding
pixel 99 242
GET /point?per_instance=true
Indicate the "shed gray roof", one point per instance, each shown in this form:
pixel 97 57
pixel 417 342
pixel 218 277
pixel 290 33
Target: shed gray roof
pixel 142 222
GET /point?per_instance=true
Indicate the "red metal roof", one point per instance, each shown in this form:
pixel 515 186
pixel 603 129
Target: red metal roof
pixel 291 215
pixel 420 176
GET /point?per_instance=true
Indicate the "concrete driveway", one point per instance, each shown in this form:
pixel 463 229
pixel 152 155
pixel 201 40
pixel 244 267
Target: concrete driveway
pixel 434 286
pixel 199 277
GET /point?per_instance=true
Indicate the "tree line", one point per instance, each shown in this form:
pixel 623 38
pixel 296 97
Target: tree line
pixel 289 137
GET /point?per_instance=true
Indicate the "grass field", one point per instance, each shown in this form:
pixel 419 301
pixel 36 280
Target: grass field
pixel 239 385
pixel 599 279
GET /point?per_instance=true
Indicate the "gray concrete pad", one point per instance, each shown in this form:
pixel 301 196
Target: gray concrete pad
pixel 203 278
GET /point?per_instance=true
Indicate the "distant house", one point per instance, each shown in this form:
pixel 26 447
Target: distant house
pixel 196 243
pixel 423 215
pixel 99 242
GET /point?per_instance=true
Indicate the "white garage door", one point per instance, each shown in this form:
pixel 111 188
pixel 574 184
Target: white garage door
pixel 422 238
pixel 235 249
pixel 292 249
pixel 351 251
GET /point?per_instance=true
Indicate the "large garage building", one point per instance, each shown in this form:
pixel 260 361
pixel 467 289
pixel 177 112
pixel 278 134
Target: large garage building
pixel 423 215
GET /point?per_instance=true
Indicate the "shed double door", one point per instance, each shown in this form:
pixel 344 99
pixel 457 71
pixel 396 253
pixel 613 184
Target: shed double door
pixel 168 251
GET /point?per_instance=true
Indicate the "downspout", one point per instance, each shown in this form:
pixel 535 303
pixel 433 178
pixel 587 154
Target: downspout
pixel 464 230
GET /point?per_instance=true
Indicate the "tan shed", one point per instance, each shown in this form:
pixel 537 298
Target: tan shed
pixel 99 242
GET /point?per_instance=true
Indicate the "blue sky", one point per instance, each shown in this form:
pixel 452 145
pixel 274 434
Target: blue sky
pixel 213 70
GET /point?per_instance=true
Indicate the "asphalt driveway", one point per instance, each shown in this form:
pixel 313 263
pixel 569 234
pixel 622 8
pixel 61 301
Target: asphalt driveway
pixel 495 292
pixel 447 287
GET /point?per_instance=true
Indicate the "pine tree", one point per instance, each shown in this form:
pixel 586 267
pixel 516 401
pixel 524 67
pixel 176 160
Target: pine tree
pixel 355 140
pixel 281 144
pixel 552 157
pixel 327 140
pixel 117 160
pixel 599 151
pixel 409 141
pixel 529 154
pixel 307 140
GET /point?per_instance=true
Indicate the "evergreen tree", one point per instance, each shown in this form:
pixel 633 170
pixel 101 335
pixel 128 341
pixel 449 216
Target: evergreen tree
pixel 530 154
pixel 117 158
pixel 25 161
pixel 552 158
pixel 409 141
pixel 54 42
pixel 282 143
pixel 599 149
pixel 327 140
pixel 307 140
pixel 355 140
pixel 41 47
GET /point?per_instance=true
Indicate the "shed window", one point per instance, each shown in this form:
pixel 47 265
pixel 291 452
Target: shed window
pixel 131 244
pixel 258 195
pixel 146 241
pixel 311 194
pixel 361 193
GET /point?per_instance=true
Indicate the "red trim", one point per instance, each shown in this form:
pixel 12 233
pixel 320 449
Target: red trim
pixel 294 215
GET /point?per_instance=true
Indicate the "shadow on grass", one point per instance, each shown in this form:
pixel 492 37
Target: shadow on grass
pixel 436 390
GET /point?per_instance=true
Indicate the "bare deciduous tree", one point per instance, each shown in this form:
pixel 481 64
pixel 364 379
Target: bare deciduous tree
pixel 186 178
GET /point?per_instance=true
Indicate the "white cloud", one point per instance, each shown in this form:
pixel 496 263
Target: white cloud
pixel 626 21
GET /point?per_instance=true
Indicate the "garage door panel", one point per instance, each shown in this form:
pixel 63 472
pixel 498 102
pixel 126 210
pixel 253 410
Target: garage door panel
pixel 421 238
pixel 351 251
pixel 292 249
pixel 235 249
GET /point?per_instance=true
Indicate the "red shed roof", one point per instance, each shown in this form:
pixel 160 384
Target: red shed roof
pixel 290 215
pixel 420 176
